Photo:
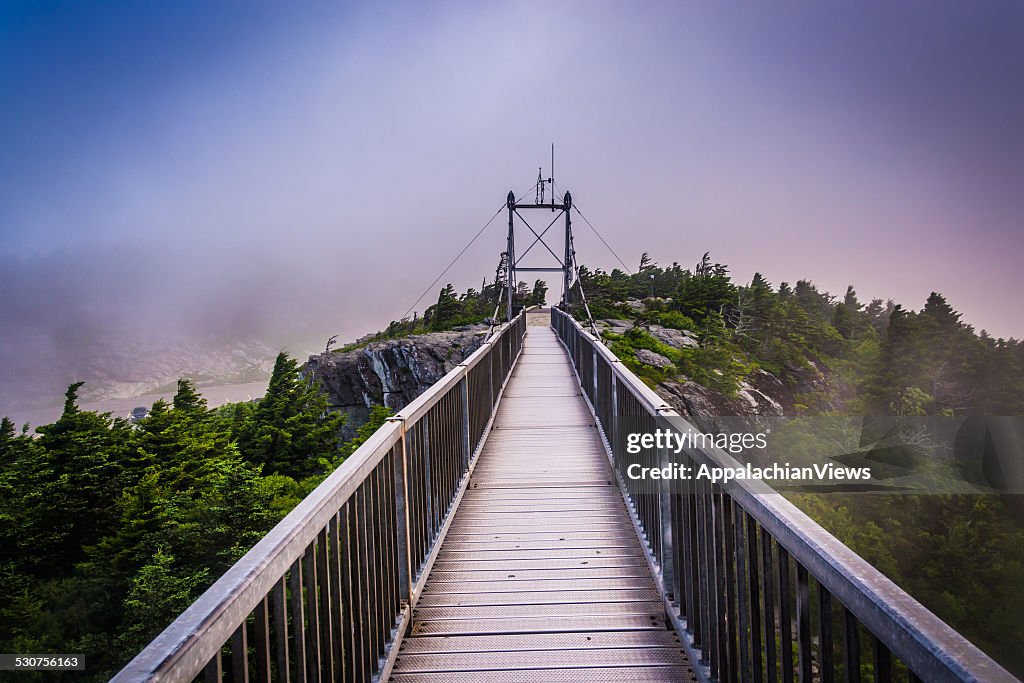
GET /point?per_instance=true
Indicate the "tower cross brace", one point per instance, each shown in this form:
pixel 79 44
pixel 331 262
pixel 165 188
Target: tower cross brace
pixel 564 262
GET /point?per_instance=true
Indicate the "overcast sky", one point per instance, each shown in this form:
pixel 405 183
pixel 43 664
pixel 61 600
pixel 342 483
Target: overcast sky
pixel 252 164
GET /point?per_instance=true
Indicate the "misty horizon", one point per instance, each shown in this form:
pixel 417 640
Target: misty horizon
pixel 286 174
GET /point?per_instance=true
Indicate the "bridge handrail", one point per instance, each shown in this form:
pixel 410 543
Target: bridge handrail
pixel 722 557
pixel 329 590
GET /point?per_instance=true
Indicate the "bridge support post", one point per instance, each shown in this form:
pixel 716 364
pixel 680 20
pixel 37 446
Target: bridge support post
pixel 511 249
pixel 402 517
pixel 666 560
pixel 567 271
pixel 428 484
pixel 466 453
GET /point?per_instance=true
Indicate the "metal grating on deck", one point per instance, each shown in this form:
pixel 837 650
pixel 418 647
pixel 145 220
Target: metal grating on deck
pixel 541 576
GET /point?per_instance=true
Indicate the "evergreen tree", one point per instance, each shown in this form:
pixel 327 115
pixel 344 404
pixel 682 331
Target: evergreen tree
pixel 291 426
pixel 646 263
pixel 83 453
pixel 188 400
pixel 539 294
pixel 447 311
pixel 706 291
pixel 847 316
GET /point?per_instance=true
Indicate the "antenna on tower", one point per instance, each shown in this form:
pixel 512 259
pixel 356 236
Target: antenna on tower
pixel 552 179
pixel 539 194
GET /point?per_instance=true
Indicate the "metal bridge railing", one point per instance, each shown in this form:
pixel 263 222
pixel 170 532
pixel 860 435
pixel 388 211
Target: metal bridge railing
pixel 757 588
pixel 328 593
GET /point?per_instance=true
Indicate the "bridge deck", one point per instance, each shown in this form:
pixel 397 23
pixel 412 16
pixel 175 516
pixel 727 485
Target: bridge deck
pixel 541 576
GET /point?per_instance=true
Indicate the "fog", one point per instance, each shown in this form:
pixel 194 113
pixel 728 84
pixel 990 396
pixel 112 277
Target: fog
pixel 282 174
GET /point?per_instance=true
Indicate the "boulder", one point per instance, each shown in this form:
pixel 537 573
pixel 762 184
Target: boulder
pixel 677 339
pixel 654 359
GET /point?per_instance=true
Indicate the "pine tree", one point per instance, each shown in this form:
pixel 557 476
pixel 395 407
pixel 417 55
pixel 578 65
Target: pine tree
pixel 646 263
pixel 188 400
pixel 847 316
pixel 446 311
pixel 539 294
pixel 84 452
pixel 291 428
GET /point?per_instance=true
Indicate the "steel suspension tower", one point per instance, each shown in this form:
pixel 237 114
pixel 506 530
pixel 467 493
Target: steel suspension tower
pixel 515 263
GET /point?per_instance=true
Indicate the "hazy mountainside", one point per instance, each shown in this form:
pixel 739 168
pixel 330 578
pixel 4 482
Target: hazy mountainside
pixel 114 365
pixel 712 346
pixel 389 372
pixel 132 318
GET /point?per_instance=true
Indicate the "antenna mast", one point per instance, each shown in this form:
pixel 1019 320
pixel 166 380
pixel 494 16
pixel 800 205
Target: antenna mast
pixel 552 178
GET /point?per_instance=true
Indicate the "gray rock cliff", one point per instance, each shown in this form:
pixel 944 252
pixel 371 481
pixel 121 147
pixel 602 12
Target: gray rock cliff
pixel 391 372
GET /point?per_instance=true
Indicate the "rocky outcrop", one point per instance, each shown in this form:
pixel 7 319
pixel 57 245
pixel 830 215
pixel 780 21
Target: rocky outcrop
pixel 761 394
pixel 653 359
pixel 392 372
pixel 677 339
pixel 615 326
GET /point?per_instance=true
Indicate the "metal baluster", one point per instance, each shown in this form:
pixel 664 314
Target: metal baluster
pixel 312 615
pixel 741 592
pixel 339 635
pixel 723 559
pixel 400 464
pixel 803 623
pixel 825 642
pixel 349 594
pixel 676 530
pixel 767 575
pixel 240 655
pixel 692 584
pixel 277 602
pixel 883 661
pixel 390 538
pixel 731 608
pixel 213 672
pixel 785 616
pixel 384 614
pixel 261 635
pixel 756 648
pixel 428 484
pixel 326 597
pixel 369 538
pixel 851 647
pixel 298 619
pixel 363 624
pixel 702 635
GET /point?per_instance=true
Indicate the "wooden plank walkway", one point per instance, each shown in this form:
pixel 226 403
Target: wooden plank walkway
pixel 541 576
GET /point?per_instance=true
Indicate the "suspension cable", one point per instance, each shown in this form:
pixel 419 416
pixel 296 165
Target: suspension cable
pixel 452 263
pixel 583 295
pixel 599 236
pixel 459 255
pixel 608 246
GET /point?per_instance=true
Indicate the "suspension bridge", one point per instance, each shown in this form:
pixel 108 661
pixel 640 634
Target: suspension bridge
pixel 489 532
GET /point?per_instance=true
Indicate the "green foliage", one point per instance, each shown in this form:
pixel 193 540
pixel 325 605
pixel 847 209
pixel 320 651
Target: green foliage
pixel 539 294
pixel 109 530
pixel 288 424
pixel 454 310
pixel 447 310
pixel 672 319
pixel 961 556
pixel 159 593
